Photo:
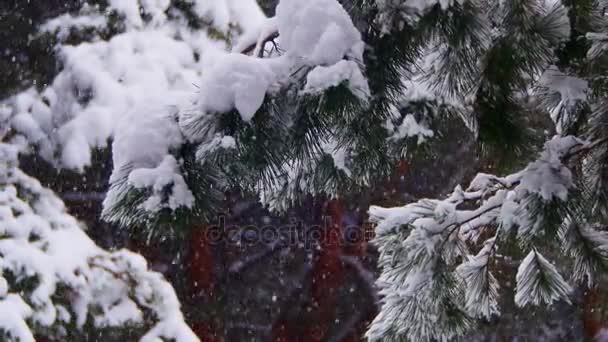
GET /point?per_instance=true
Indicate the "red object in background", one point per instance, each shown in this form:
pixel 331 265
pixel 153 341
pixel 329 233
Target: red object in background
pixel 202 283
pixel 201 262
pixel 206 332
pixel 282 332
pixel 328 274
pixel 327 277
pixel 592 314
pixel 403 167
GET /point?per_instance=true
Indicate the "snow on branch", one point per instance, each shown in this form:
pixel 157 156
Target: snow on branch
pixel 426 242
pixel 156 58
pixel 52 275
pixel 539 282
pixel 312 34
pixel 395 14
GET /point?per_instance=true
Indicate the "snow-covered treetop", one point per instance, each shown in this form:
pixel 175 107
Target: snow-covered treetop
pixel 53 278
pixel 152 54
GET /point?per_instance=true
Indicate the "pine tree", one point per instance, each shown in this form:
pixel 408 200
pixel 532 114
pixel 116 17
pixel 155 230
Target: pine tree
pixel 54 281
pixel 294 122
pixel 59 113
pixel 327 98
pixel 324 107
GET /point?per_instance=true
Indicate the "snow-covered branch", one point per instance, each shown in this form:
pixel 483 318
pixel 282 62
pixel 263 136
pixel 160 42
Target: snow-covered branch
pixel 72 282
pixel 424 242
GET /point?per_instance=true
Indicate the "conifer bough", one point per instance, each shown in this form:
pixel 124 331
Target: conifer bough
pixel 326 98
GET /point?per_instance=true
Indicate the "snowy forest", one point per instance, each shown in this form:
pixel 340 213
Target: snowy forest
pixel 303 170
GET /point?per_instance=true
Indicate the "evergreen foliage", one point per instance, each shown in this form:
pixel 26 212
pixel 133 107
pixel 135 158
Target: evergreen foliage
pixel 55 281
pixel 500 66
pixel 326 98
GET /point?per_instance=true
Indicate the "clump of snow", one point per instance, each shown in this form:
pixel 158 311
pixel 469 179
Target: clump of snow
pixel 319 32
pixel 410 128
pixel 257 36
pixel 321 78
pixel 237 81
pixel 38 239
pixel 130 10
pixel 130 87
pixel 110 78
pixel 142 158
pixel 338 154
pixel 145 136
pixel 548 176
pixel 223 13
pixel 14 312
pixel 162 179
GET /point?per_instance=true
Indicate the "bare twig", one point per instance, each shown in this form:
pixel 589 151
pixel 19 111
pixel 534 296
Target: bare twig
pixel 252 47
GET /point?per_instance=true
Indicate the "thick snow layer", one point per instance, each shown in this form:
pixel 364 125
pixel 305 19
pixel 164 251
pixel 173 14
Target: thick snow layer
pixel 130 88
pixel 39 239
pixel 316 33
pixel 102 81
pixel 319 32
pixel 224 12
pixel 237 81
pixel 110 78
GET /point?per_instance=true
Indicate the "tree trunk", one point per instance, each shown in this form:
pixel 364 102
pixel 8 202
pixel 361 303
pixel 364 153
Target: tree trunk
pixel 328 274
pixel 201 269
pixel 592 313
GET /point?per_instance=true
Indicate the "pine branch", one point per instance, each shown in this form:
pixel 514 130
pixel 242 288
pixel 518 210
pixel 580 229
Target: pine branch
pixel 538 281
